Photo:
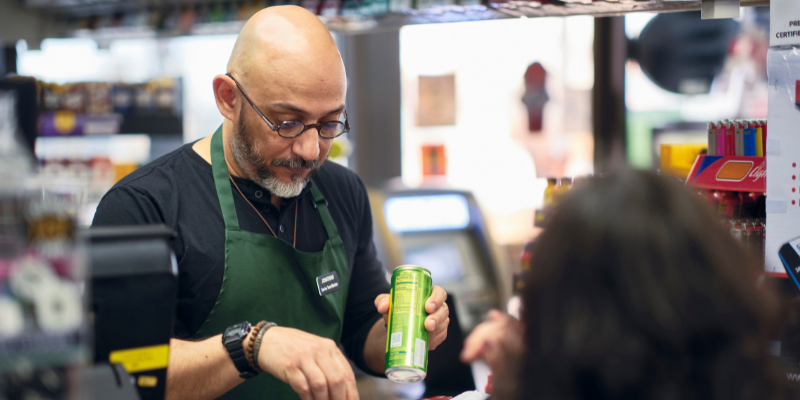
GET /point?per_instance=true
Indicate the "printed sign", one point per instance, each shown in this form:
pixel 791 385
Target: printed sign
pixel 784 23
pixel 746 174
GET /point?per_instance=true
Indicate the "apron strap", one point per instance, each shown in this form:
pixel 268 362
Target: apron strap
pixel 222 181
pixel 322 208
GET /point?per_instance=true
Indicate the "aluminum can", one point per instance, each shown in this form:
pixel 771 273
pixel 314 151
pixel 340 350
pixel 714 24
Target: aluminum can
pixel 406 336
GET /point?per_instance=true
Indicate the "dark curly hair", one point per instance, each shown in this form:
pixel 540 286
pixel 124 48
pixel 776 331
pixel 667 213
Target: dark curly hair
pixel 637 293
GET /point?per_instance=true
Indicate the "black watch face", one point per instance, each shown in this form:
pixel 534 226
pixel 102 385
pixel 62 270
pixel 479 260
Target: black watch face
pixel 236 331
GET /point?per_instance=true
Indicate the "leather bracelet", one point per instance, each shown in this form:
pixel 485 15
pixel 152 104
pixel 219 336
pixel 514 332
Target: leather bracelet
pixel 248 353
pixel 258 343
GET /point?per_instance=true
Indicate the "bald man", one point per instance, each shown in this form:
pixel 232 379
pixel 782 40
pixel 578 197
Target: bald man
pixel 268 232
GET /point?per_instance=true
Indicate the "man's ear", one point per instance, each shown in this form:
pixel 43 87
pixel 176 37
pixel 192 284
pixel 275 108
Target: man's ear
pixel 225 96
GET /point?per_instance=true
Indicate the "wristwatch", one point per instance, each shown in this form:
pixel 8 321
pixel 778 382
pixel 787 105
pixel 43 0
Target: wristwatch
pixel 232 340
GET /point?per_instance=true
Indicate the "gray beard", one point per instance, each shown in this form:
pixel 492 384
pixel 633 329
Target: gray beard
pixel 250 161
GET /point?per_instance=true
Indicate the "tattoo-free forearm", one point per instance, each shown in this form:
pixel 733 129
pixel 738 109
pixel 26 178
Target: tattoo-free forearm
pixel 200 370
pixel 375 347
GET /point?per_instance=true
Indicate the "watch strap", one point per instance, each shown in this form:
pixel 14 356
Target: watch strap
pixel 237 352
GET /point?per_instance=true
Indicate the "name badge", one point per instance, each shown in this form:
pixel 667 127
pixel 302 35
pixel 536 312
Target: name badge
pixel 327 283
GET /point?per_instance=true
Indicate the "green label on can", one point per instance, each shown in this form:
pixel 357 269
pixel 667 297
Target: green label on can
pixel 406 337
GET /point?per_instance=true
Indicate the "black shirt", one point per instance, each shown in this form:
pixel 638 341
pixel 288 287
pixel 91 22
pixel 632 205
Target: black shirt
pixel 178 190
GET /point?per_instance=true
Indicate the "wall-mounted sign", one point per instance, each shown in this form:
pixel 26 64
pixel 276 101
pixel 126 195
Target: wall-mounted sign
pixel 437 100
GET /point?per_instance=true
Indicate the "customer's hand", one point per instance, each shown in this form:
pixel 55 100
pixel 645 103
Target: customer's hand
pixel 313 366
pixel 498 341
pixel 438 315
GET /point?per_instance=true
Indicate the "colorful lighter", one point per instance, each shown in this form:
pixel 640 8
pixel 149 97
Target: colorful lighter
pixel 739 137
pixel 712 139
pixel 720 139
pixel 730 139
pixel 750 140
pixel 759 139
pixel 764 136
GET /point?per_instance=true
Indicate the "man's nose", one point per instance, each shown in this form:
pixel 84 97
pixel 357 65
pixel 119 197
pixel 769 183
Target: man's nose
pixel 306 145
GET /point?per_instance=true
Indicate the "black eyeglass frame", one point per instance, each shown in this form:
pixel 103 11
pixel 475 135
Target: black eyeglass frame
pixel 277 129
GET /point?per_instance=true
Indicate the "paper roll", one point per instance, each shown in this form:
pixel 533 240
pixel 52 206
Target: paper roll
pixel 59 308
pixel 12 322
pixel 30 276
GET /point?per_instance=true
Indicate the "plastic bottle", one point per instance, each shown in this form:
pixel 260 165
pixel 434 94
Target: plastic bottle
pixel 549 192
pixel 564 186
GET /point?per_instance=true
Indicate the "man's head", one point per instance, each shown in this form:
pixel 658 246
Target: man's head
pixel 287 62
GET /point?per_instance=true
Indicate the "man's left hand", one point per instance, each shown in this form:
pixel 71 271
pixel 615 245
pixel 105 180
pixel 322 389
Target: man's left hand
pixel 438 315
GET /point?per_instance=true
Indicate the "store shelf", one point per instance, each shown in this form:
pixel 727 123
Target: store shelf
pixel 44 349
pixel 152 124
pixel 146 32
pixel 357 23
pixel 734 173
pixel 65 123
pixel 515 9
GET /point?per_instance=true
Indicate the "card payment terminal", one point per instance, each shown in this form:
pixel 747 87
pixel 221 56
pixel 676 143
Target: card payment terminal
pixel 790 256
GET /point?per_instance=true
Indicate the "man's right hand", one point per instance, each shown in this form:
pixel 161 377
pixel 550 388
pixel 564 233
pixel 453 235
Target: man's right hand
pixel 313 366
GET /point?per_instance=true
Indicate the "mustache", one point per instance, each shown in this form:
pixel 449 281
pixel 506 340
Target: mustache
pixel 296 163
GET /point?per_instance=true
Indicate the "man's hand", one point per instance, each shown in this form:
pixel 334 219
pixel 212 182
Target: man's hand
pixel 438 315
pixel 313 366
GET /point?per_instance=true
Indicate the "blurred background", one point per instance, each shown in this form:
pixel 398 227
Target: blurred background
pixel 469 119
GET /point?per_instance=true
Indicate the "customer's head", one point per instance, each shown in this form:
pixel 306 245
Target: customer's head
pixel 637 293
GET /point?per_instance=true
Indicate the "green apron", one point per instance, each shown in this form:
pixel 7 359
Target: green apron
pixel 267 279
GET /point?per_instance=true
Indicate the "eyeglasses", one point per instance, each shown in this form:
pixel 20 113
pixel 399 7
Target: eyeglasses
pixel 290 129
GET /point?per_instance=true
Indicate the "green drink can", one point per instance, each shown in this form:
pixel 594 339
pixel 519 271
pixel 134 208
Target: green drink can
pixel 406 336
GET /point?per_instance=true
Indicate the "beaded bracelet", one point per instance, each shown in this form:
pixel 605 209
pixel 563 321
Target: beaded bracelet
pixel 258 342
pixel 250 346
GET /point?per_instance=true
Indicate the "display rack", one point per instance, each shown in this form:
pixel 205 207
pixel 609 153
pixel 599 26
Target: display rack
pixel 357 20
pixel 732 173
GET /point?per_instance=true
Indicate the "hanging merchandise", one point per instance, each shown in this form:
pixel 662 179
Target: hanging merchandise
pixel 434 162
pixel 535 96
